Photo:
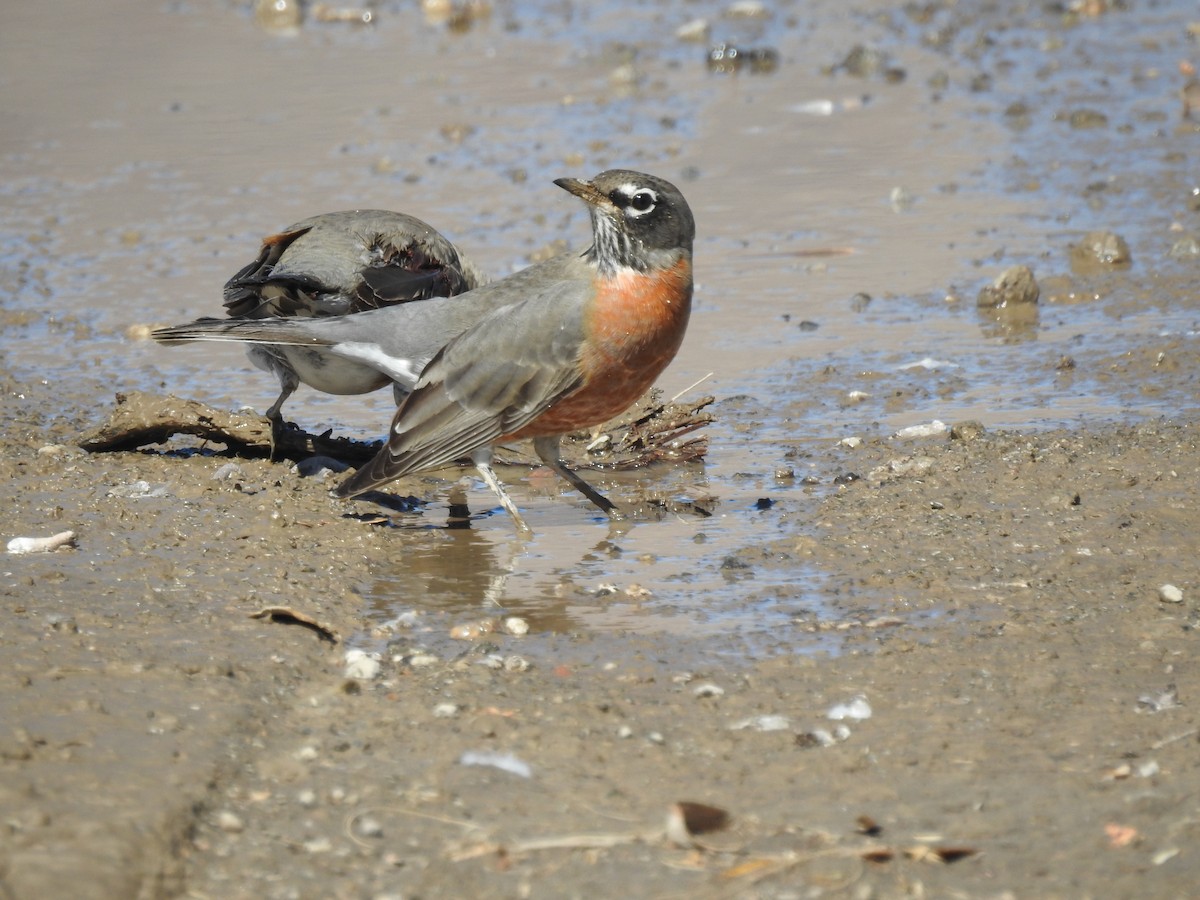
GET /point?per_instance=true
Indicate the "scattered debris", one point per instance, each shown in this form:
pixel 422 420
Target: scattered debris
pixel 856 709
pixel 1160 702
pixel 505 762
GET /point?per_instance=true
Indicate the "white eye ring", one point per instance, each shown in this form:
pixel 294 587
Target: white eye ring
pixel 641 201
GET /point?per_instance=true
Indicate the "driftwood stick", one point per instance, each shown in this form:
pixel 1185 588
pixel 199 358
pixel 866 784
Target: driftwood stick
pixel 651 431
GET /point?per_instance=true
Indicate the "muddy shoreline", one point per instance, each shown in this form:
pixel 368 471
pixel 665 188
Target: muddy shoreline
pixel 1016 605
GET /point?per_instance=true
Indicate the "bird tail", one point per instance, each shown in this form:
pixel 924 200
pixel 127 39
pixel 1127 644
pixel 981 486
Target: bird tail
pixel 245 331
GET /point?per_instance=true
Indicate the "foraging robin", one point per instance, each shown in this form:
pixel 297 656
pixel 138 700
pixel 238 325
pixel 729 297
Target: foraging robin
pixel 560 346
pixel 335 264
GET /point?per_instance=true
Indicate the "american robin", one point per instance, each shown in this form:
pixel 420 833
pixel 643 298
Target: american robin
pixel 560 346
pixel 335 264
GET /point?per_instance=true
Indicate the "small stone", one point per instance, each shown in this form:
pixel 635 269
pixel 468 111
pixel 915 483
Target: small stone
pixel 307 798
pixel 421 660
pixel 1100 249
pixel 445 711
pixel 318 845
pixel 624 732
pixel 368 827
pixel 696 31
pixel 1015 285
pixel 1168 593
pixel 230 822
pixel 1184 248
pixel 708 690
pixel 307 753
pixel 967 431
pixel 361 666
pixel 516 663
pixel 656 737
pixel 856 709
pixel 516 626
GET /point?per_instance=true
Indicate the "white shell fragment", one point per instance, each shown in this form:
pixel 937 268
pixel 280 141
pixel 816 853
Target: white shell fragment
pixel 41 544
pixel 856 709
pixel 928 363
pixel 505 762
pixel 762 723
pixel 930 429
pixel 361 665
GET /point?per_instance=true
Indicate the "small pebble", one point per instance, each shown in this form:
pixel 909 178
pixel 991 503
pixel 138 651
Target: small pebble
pixel 421 660
pixel 516 626
pixel 696 31
pixel 624 732
pixel 516 663
pixel 362 666
pixel 1015 285
pixel 818 737
pixel 307 798
pixel 655 737
pixel 318 845
pixel 368 827
pixel 445 711
pixel 708 690
pixel 230 822
pixel 307 753
pixel 1168 593
pixel 858 709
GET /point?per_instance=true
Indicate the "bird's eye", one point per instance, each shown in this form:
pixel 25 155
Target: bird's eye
pixel 642 201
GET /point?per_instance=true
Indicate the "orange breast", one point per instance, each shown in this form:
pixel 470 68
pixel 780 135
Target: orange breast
pixel 634 330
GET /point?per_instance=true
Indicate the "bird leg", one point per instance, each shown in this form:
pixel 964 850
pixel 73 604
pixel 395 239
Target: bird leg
pixel 547 450
pixel 483 462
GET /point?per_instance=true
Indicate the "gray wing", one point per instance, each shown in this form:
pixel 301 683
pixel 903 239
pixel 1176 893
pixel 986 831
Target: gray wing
pixel 344 262
pixel 492 380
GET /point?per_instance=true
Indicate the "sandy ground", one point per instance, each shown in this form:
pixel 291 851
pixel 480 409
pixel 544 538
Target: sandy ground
pixel 995 599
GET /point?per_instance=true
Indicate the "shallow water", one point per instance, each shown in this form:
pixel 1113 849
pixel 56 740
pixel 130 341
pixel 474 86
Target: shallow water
pixel 145 156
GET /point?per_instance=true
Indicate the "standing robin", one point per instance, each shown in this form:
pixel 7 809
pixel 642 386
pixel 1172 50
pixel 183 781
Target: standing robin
pixel 560 346
pixel 335 264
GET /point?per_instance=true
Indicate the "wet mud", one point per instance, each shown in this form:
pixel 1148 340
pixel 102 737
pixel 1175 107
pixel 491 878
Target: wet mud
pixel 922 620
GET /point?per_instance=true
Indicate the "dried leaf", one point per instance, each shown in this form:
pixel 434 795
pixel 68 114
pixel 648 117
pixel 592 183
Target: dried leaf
pixel 939 854
pixel 686 819
pixel 868 826
pixel 878 854
pixel 1120 835
pixel 285 615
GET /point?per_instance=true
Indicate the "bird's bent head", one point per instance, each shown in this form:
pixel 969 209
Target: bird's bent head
pixel 638 221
